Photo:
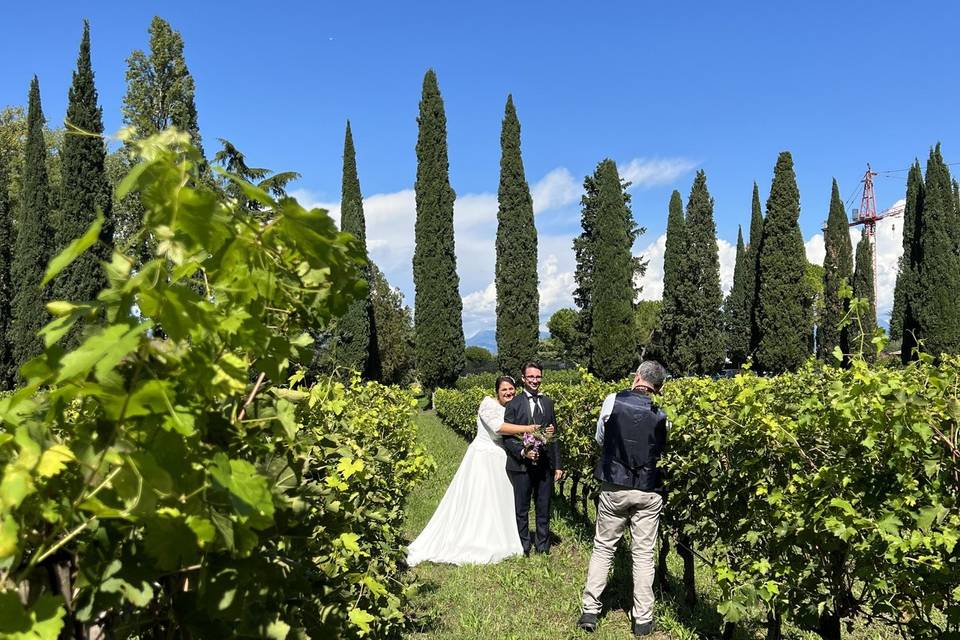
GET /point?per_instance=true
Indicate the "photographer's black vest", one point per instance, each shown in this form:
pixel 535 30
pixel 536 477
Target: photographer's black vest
pixel 634 438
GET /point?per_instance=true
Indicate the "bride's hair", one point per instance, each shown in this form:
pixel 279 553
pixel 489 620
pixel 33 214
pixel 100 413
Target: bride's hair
pixel 496 385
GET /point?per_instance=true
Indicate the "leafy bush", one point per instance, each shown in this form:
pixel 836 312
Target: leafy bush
pixel 485 380
pixel 825 493
pixel 145 495
pixel 819 496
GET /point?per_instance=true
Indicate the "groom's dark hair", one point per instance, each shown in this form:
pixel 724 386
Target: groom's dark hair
pixel 530 364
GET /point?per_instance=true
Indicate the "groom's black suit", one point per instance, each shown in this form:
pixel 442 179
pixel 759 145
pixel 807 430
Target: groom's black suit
pixel 529 478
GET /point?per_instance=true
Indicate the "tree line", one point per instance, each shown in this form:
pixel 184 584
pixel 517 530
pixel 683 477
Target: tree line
pixel 779 311
pixel 54 180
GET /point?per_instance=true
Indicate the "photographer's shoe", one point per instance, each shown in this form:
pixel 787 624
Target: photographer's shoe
pixel 588 622
pixel 644 628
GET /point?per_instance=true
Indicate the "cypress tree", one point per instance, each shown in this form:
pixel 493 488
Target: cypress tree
pixel 34 245
pixel 612 342
pixel 736 309
pixel 85 186
pixel 936 310
pixel 584 249
pixel 518 302
pixel 837 268
pixel 672 345
pixel 785 317
pixel 7 368
pixel 356 330
pixel 706 336
pixel 863 288
pixel 753 258
pixel 902 322
pixel 438 307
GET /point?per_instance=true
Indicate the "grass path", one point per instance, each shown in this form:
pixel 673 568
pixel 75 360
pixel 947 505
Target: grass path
pixel 522 598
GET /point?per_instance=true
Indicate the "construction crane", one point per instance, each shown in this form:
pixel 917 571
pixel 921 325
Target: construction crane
pixel 867 216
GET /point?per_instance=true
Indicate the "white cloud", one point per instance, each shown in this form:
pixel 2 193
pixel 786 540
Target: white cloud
pixel 391 217
pixel 728 260
pixel 651 283
pixel 390 237
pixel 652 280
pixel 814 248
pixel 556 189
pixel 652 172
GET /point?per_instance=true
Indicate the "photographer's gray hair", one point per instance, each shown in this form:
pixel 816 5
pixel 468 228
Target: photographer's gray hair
pixel 653 372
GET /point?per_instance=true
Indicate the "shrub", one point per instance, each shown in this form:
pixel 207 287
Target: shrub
pixel 143 494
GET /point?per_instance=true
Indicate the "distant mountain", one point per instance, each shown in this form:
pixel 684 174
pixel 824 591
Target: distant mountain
pixel 488 339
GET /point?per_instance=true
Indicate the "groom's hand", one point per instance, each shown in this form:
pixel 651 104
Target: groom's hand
pixel 557 475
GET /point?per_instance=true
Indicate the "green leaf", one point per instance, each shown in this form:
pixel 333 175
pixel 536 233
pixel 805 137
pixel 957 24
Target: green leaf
pixel 844 505
pixel 927 516
pixel 8 536
pixel 42 621
pixel 361 619
pixel 135 589
pixel 15 486
pixel 349 542
pixel 203 528
pixel 73 250
pixel 277 630
pixel 249 491
pixel 169 540
pixel 130 180
pixel 101 352
pixel 54 460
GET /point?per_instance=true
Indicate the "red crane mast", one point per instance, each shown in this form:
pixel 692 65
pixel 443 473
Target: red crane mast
pixel 867 216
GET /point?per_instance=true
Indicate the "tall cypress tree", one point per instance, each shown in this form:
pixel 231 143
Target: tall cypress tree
pixel 438 307
pixel 584 250
pixel 356 330
pixel 672 344
pixel 753 257
pixel 785 317
pixel 860 336
pixel 902 321
pixel 837 267
pixel 612 342
pixel 518 302
pixel 34 245
pixel 7 235
pixel 736 309
pixel 703 271
pixel 85 186
pixel 938 275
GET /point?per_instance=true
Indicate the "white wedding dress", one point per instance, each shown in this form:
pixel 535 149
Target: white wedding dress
pixel 475 522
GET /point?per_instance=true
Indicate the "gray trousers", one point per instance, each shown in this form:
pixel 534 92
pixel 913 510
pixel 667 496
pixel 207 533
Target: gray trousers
pixel 618 506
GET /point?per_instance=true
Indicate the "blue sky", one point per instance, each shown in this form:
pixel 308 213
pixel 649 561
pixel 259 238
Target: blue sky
pixel 663 90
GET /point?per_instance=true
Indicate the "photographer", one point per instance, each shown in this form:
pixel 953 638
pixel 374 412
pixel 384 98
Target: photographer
pixel 632 433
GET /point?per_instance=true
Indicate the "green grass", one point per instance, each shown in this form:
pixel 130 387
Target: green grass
pixel 521 598
pixel 539 597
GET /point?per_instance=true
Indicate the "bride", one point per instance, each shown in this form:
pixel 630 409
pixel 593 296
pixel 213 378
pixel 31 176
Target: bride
pixel 475 521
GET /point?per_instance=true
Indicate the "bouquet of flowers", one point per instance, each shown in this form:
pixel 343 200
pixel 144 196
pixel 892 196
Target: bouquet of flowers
pixel 534 442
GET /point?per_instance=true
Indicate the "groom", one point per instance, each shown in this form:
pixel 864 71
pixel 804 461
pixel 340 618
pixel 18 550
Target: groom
pixel 532 475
